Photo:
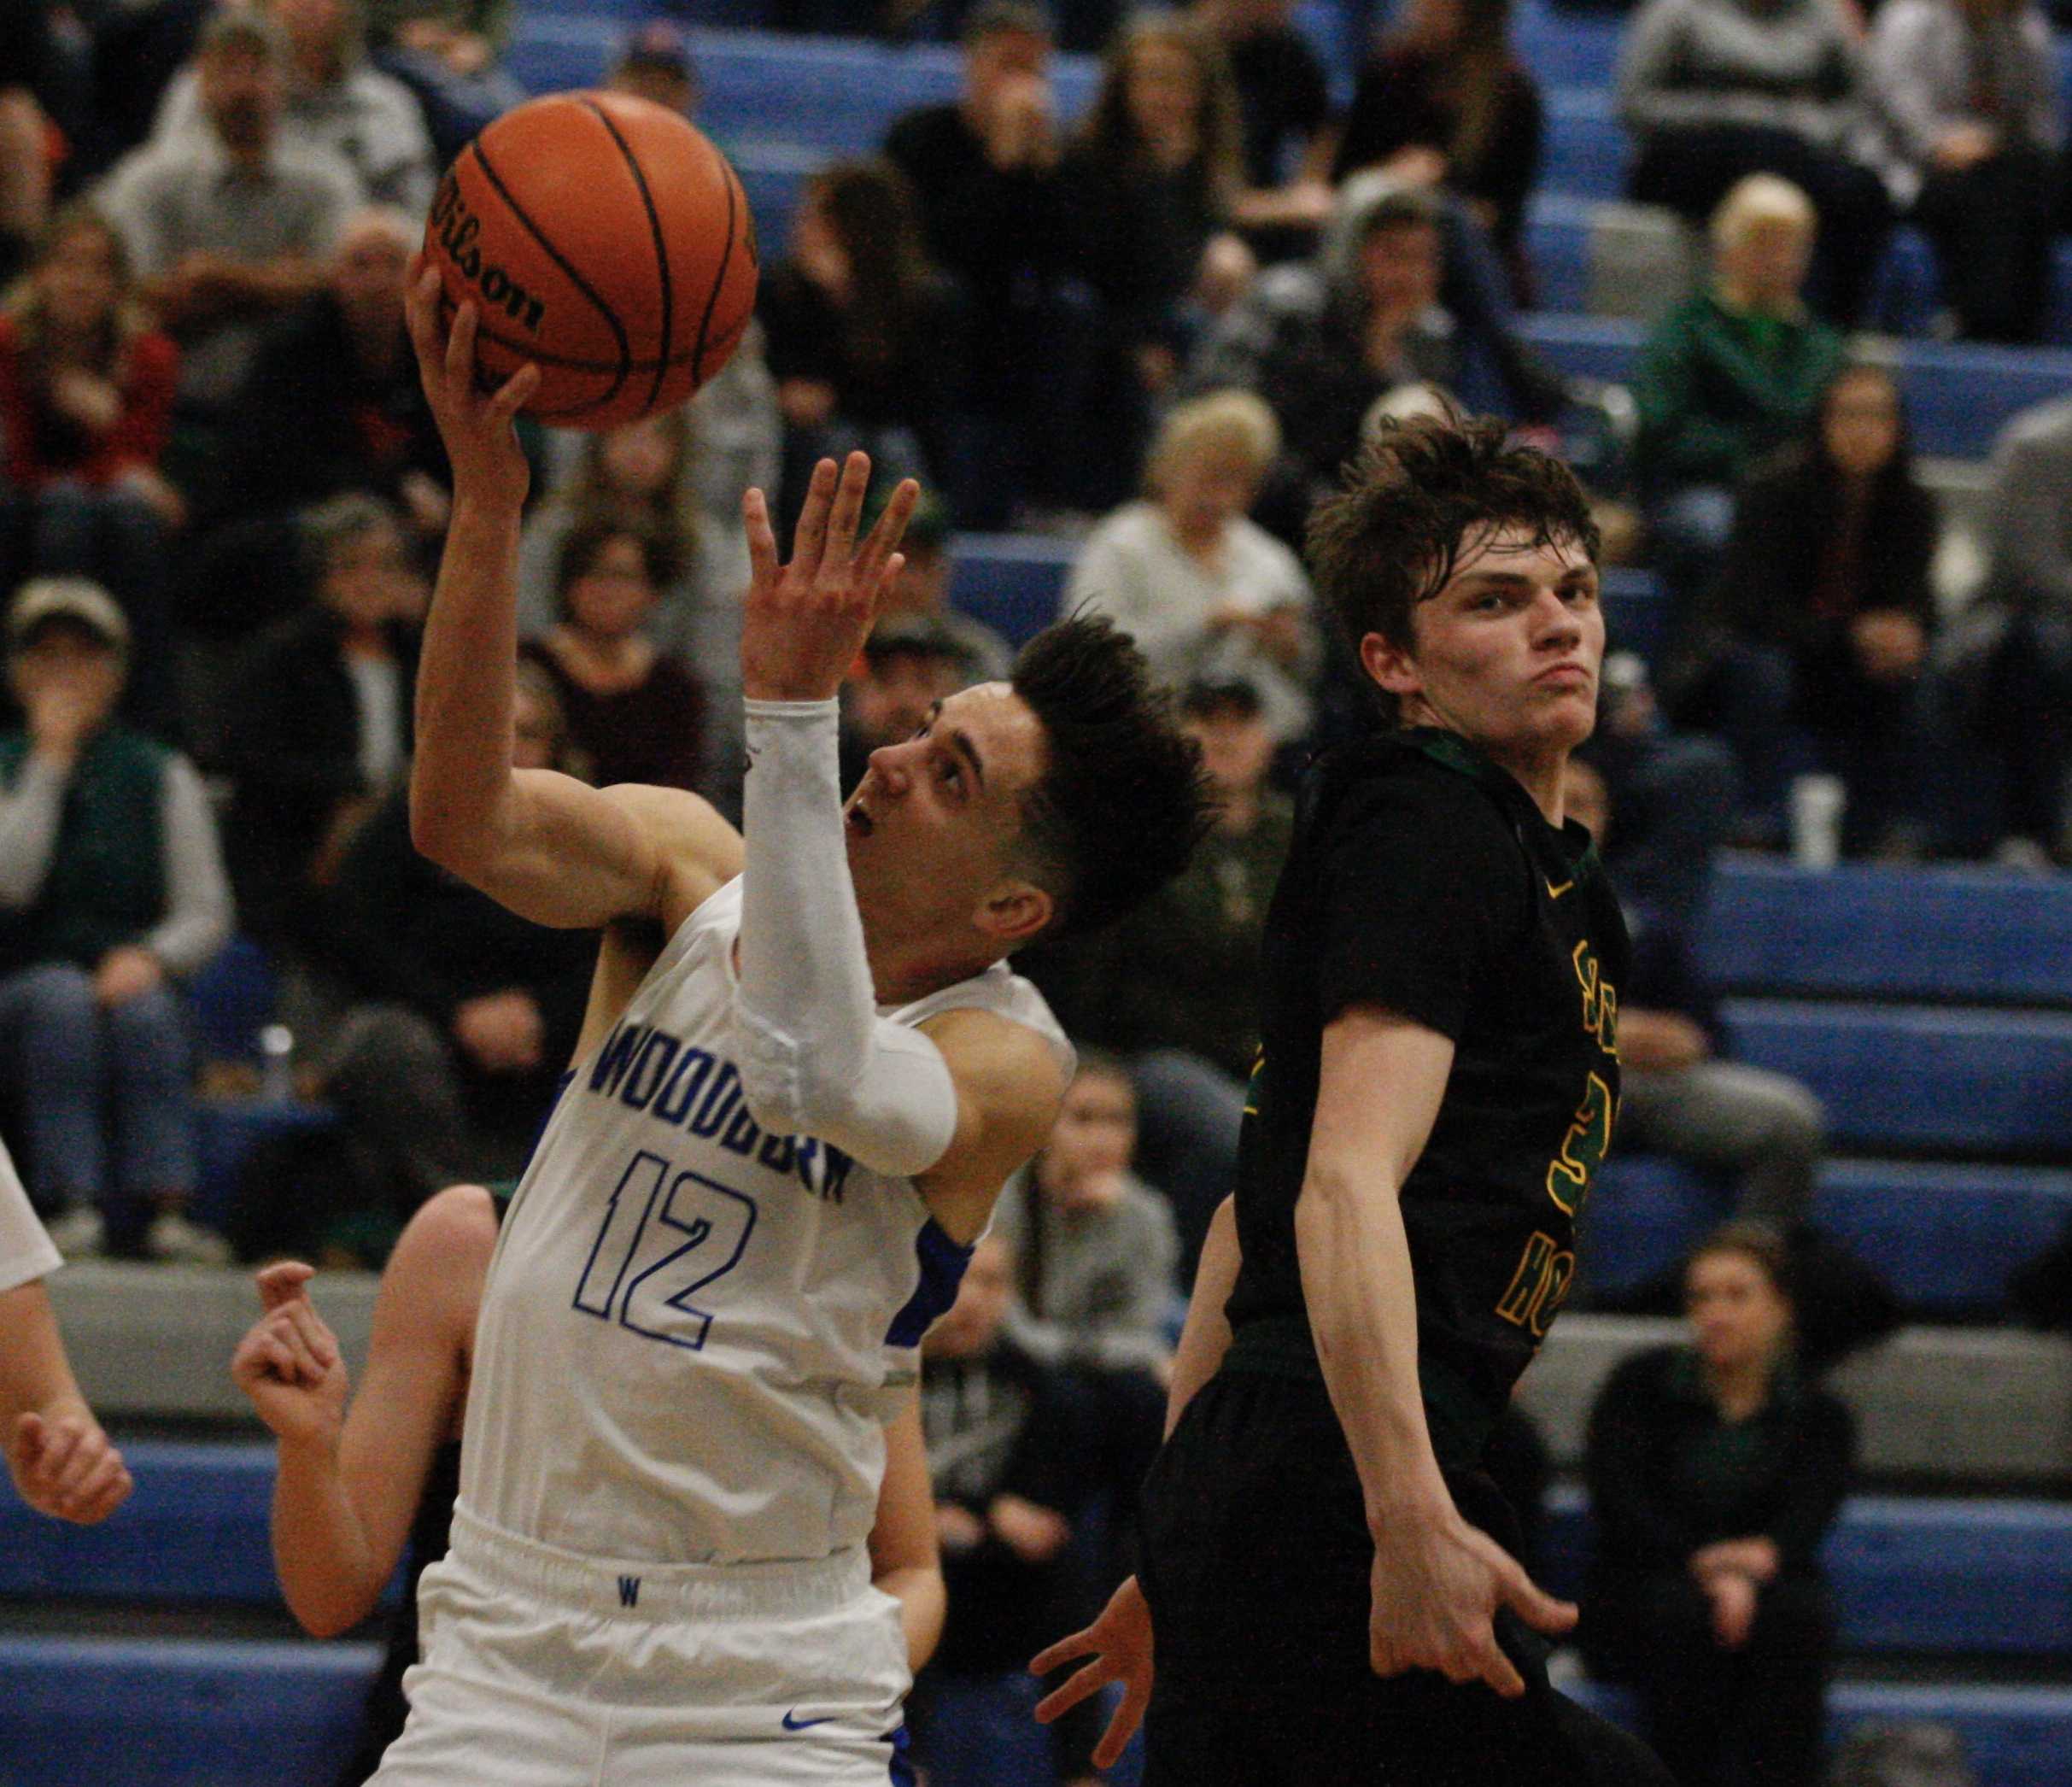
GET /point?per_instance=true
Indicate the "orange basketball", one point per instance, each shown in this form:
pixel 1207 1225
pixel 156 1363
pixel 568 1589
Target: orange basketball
pixel 602 237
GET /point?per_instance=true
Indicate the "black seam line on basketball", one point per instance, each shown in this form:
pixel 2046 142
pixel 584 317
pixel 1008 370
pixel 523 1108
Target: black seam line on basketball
pixel 726 260
pixel 561 260
pixel 655 230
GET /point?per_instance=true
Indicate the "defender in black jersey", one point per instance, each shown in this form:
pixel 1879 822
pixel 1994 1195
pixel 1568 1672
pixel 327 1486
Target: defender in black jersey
pixel 1327 1568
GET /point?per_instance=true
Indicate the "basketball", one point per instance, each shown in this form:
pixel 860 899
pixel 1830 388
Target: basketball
pixel 605 239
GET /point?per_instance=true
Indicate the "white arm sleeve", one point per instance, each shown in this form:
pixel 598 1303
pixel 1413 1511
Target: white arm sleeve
pixel 815 1058
pixel 26 1252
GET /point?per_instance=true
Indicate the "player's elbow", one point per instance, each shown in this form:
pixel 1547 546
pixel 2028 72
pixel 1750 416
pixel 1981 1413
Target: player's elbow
pixel 329 1610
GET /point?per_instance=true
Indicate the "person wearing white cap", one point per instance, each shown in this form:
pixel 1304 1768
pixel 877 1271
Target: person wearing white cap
pixel 111 885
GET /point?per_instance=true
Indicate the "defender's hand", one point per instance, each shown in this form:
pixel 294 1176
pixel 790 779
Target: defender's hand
pixel 65 1466
pixel 288 1363
pixel 481 441
pixel 805 622
pixel 1437 1583
pixel 1120 1643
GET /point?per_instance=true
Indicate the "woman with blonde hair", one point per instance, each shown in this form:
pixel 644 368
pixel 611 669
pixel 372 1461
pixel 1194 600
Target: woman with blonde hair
pixel 86 387
pixel 1207 592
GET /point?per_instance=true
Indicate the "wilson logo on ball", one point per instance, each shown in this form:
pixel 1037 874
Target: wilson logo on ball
pixel 457 228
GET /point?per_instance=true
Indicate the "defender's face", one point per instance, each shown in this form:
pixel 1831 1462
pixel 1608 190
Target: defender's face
pixel 933 825
pixel 1508 653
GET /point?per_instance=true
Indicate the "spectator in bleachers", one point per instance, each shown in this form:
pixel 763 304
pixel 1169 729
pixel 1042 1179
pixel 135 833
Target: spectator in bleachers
pixel 1828 617
pixel 1013 1477
pixel 1443 101
pixel 25 159
pixel 1759 1135
pixel 446 53
pixel 363 1488
pixel 1288 124
pixel 636 713
pixel 923 587
pixel 1205 590
pixel 860 333
pixel 332 403
pixel 1971 123
pixel 1152 179
pixel 984 175
pixel 1731 374
pixel 2007 659
pixel 459 1017
pixel 229 225
pixel 1715 1470
pixel 56 1452
pixel 111 888
pixel 654 63
pixel 1716 90
pixel 320 720
pixel 909 662
pixel 86 388
pixel 334 100
pixel 1174 988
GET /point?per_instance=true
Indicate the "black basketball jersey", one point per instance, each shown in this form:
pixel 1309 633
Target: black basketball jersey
pixel 1423 880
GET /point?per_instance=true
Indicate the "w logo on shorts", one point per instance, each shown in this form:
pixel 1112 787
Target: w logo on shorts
pixel 629 1591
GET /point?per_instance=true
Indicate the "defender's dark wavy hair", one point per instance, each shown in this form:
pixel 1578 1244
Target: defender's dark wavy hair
pixel 1415 495
pixel 1122 801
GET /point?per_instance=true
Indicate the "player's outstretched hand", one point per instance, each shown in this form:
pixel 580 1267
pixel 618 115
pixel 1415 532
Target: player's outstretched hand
pixel 289 1361
pixel 481 441
pixel 66 1466
pixel 1120 1643
pixel 804 622
pixel 1437 1584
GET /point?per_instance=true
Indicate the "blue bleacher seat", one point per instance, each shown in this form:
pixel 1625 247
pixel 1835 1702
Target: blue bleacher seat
pixel 1945 1235
pixel 231 999
pixel 178 1713
pixel 228 1129
pixel 1910 1077
pixel 1866 931
pixel 1911 1575
pixel 1014 583
pixel 2015 1737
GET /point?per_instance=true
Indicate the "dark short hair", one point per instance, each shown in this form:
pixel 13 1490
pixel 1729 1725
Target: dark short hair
pixel 1390 538
pixel 1121 802
pixel 582 544
pixel 995 18
pixel 1756 1241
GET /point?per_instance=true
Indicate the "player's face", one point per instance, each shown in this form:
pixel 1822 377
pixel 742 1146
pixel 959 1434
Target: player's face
pixel 1738 1316
pixel 934 826
pixel 1507 653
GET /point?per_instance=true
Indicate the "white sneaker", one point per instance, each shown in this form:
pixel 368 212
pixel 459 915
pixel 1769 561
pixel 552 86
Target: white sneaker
pixel 173 1236
pixel 79 1233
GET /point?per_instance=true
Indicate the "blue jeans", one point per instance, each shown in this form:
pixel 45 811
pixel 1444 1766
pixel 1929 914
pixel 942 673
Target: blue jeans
pixel 87 1082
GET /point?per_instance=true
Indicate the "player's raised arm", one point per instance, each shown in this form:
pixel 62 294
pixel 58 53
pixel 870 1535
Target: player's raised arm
pixel 545 845
pixel 1437 1581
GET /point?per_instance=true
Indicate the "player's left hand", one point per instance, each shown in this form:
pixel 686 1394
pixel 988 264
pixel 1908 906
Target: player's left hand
pixel 1120 1643
pixel 804 622
pixel 480 439
pixel 66 1466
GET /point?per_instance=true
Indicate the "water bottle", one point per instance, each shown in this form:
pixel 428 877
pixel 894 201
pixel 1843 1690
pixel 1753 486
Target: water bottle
pixel 276 1064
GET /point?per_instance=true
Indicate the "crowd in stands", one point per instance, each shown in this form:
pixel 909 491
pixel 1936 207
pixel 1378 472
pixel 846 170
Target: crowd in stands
pixel 1159 330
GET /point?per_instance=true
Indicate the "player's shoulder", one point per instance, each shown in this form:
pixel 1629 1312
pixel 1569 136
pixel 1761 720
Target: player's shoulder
pixel 1427 787
pixel 697 852
pixel 450 1228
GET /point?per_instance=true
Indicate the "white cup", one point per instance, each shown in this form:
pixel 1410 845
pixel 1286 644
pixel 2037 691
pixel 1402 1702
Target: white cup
pixel 1816 802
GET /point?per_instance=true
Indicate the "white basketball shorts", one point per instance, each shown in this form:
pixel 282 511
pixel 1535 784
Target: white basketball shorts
pixel 543 1668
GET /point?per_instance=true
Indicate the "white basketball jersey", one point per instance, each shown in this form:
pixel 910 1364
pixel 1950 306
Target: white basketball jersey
pixel 692 1331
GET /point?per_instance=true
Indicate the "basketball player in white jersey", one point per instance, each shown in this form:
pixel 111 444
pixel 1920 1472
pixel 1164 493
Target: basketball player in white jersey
pixel 61 1461
pixel 764 1176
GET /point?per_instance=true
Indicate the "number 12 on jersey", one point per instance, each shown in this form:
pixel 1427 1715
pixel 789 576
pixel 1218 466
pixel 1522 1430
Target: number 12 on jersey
pixel 714 1222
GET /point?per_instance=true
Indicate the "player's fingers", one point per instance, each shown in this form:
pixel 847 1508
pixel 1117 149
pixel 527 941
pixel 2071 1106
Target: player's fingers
pixel 846 513
pixel 1078 1685
pixel 1078 1644
pixel 103 1492
pixel 762 540
pixel 61 1441
pixel 1495 1668
pixel 460 347
pixel 27 1441
pixel 303 1362
pixel 282 1281
pixel 514 394
pixel 888 580
pixel 1536 1607
pixel 86 1458
pixel 809 537
pixel 1123 1721
pixel 891 527
pixel 312 1331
